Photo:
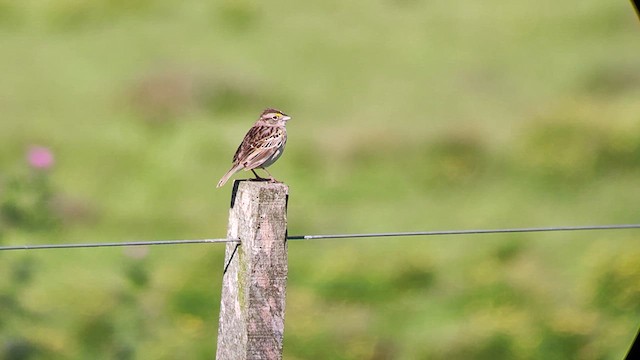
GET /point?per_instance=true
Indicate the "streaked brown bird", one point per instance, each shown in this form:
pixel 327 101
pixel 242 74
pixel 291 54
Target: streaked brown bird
pixel 261 146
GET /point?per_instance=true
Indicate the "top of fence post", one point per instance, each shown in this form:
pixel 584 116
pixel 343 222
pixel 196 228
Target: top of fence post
pixel 254 283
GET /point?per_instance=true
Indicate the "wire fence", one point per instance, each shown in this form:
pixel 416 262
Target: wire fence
pixel 329 236
pixel 339 236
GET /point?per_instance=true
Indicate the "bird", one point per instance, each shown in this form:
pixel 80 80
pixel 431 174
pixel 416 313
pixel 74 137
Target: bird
pixel 262 145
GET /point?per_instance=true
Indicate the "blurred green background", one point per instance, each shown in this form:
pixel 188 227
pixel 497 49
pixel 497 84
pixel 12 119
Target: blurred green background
pixel 408 115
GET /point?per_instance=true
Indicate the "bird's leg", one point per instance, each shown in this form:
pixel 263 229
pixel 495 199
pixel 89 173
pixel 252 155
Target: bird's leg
pixel 258 177
pixel 270 176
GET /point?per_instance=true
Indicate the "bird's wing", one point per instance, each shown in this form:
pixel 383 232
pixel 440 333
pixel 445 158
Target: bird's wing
pixel 258 145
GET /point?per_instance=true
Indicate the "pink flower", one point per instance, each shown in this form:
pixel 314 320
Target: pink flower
pixel 40 157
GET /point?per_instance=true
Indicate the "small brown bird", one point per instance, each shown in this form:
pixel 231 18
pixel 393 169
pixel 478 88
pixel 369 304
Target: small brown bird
pixel 261 146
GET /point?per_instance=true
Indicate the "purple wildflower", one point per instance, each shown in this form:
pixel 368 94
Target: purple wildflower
pixel 40 157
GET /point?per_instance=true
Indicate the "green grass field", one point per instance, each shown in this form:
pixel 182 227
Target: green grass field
pixel 408 115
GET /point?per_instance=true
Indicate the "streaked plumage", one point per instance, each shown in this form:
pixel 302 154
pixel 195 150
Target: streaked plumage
pixel 262 145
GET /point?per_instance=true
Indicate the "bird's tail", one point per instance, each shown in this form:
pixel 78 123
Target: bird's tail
pixel 229 174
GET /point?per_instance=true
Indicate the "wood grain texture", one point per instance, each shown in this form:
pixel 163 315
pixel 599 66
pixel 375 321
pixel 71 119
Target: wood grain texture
pixel 254 286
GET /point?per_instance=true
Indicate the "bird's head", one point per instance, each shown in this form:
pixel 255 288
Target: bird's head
pixel 274 117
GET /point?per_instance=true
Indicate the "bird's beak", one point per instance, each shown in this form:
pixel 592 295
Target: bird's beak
pixel 285 118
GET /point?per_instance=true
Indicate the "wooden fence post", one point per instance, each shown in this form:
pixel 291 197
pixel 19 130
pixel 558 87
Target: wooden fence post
pixel 254 283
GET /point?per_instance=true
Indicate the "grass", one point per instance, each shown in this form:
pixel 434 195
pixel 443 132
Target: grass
pixel 408 115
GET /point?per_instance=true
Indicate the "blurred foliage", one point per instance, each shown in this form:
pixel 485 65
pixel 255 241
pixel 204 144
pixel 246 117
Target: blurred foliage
pixel 171 95
pixel 408 115
pixel 616 288
pixel 26 203
pixel 572 148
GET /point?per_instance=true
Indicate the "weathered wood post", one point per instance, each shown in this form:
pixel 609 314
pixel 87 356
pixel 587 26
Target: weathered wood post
pixel 254 283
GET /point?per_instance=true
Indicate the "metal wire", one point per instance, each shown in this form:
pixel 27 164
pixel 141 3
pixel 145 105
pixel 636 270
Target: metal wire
pixel 114 244
pixel 467 232
pixel 330 236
